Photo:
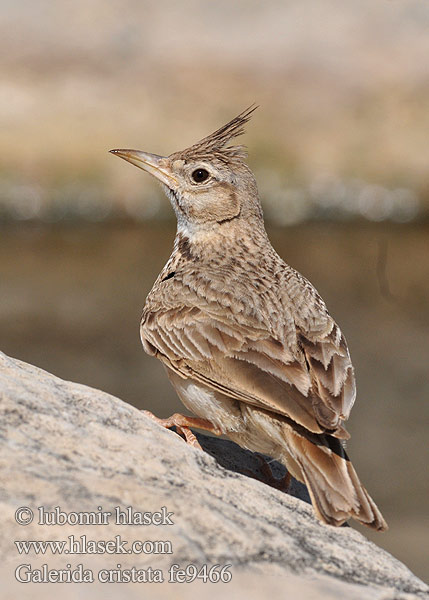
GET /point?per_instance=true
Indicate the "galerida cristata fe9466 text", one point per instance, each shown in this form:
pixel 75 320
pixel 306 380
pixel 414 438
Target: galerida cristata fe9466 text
pixel 246 340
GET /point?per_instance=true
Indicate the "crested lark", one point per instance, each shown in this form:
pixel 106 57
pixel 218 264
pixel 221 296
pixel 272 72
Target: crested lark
pixel 246 340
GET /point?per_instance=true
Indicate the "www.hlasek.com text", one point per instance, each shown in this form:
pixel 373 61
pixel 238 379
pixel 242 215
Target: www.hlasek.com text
pixel 83 545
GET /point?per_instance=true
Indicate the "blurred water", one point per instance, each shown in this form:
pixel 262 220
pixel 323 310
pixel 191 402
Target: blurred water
pixel 71 298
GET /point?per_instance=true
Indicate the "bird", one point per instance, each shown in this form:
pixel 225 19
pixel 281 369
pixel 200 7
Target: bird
pixel 246 340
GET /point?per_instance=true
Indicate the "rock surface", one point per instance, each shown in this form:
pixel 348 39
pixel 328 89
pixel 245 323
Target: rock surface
pixel 67 445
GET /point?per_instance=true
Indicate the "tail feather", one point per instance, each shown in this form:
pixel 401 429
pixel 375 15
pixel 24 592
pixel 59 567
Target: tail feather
pixel 333 485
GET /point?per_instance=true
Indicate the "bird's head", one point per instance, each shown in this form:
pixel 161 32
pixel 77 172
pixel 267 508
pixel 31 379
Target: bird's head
pixel 207 183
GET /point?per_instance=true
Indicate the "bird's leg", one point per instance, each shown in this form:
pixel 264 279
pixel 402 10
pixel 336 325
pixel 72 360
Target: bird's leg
pixel 281 484
pixel 183 424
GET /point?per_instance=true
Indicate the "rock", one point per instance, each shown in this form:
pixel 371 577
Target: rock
pixel 69 446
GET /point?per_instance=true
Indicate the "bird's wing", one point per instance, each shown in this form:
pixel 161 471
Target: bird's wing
pixel 325 350
pixel 287 371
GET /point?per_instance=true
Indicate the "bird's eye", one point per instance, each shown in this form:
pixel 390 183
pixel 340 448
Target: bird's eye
pixel 200 175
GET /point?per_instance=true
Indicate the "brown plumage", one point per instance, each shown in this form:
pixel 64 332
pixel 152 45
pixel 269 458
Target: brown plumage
pixel 246 340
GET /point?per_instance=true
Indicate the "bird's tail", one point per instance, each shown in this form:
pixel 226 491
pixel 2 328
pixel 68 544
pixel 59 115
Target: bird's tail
pixel 333 485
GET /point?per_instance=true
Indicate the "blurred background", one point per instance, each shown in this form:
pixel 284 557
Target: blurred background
pixel 340 149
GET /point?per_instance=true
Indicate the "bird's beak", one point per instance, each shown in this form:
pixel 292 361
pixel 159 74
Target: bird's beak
pixel 152 163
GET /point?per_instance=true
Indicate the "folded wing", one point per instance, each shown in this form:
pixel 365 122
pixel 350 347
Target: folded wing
pixel 307 377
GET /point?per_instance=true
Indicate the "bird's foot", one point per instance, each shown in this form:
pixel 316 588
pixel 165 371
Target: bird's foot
pixel 182 423
pixel 281 484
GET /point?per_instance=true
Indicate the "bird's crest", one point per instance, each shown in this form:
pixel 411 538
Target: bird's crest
pixel 215 144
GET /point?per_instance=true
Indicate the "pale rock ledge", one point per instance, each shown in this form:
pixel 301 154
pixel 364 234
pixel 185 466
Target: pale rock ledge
pixel 67 445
